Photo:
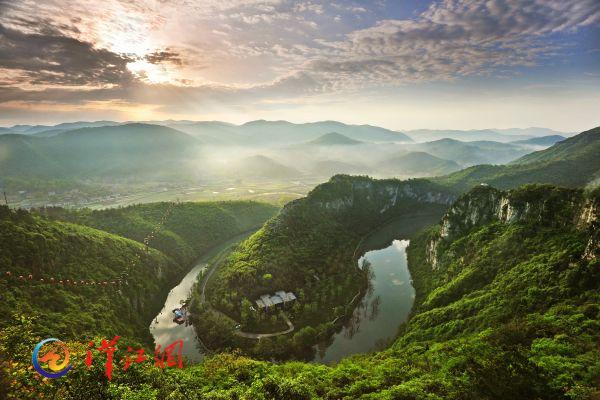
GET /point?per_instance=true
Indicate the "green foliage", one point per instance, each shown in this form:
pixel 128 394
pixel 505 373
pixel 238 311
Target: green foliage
pixel 49 248
pixel 511 311
pixel 573 162
pixel 189 231
pixel 310 248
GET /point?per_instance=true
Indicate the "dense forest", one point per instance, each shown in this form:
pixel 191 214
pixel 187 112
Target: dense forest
pixel 189 231
pixel 507 307
pixel 310 250
pixel 53 250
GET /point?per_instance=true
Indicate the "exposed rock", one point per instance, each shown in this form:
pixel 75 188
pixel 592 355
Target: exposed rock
pixel 545 205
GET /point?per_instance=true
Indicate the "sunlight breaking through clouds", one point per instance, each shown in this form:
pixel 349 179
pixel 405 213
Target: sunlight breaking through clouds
pixel 225 54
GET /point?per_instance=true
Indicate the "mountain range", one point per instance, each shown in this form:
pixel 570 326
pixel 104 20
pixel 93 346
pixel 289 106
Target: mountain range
pixel 572 162
pixel 273 150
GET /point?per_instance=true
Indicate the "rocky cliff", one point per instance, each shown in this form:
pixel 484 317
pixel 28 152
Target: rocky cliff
pixel 362 203
pixel 541 204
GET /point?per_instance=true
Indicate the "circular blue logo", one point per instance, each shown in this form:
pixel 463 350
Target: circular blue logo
pixel 52 358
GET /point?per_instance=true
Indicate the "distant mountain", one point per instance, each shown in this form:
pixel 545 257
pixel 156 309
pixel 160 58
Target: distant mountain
pixel 427 135
pixel 333 139
pixel 212 132
pixel 283 132
pixel 472 153
pixel 124 151
pixel 418 163
pixel 66 126
pixel 541 141
pixel 574 162
pixel 533 131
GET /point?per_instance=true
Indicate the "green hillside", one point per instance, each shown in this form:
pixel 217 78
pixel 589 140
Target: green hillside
pixel 507 308
pixel 583 146
pixel 47 249
pixel 102 246
pixel 189 231
pixel 573 162
pixel 308 248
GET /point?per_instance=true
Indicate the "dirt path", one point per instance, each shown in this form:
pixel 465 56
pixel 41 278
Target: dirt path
pixel 214 264
pixel 266 335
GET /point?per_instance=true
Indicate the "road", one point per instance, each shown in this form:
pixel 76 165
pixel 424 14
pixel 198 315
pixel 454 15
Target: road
pixel 266 335
pixel 213 265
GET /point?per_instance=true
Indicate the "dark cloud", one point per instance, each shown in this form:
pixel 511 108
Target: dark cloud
pixel 47 57
pixel 164 56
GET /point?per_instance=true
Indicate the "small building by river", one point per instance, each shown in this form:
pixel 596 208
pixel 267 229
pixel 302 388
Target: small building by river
pixel 280 299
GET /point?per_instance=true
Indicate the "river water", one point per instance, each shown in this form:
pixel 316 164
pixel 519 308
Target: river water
pixel 163 329
pixel 386 305
pixel 373 324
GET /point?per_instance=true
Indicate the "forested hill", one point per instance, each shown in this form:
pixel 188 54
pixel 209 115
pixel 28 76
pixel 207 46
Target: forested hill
pixel 56 251
pixel 507 308
pixel 46 248
pixel 189 229
pixel 508 296
pixel 334 215
pixel 573 162
pixel 125 151
pixel 308 248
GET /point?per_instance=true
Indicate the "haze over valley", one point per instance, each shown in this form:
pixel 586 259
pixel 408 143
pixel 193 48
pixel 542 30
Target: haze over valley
pixel 106 163
pixel 300 200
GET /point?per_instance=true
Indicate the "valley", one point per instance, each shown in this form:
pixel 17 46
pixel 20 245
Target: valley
pixel 386 275
pixel 299 200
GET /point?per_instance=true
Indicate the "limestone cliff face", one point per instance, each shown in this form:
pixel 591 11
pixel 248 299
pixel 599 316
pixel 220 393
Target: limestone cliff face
pixel 343 193
pixel 544 205
pixel 363 202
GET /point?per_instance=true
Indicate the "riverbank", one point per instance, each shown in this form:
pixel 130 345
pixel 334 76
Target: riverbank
pixel 163 329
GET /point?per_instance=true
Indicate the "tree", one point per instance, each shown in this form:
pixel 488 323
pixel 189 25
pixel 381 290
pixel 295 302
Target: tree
pixel 305 337
pixel 248 316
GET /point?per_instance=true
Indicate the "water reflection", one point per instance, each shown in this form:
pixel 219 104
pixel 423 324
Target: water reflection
pixel 163 329
pixel 386 305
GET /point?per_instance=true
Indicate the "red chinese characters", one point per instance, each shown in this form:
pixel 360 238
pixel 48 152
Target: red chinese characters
pixel 168 353
pixel 171 355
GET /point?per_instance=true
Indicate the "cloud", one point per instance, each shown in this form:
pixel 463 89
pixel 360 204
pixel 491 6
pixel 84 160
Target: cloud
pixel 234 51
pixel 164 56
pixel 455 38
pixel 49 58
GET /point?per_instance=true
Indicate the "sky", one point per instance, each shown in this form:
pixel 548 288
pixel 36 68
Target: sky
pixel 456 64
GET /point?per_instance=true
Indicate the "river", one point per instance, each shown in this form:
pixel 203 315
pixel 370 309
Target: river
pixel 388 302
pixel 374 322
pixel 163 329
